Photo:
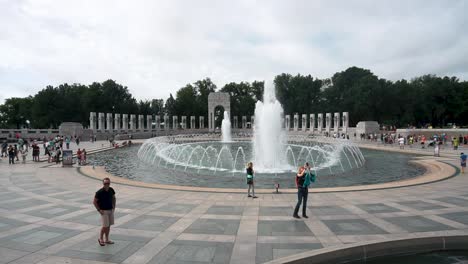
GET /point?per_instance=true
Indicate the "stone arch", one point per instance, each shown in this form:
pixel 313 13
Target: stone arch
pixel 214 100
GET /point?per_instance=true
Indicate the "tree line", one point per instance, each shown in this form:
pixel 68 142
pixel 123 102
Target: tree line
pixel 421 101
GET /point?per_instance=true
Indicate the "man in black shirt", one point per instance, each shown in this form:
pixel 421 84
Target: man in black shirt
pixel 104 201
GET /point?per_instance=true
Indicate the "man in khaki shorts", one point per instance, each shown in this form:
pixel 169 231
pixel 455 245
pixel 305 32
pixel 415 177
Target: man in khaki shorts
pixel 104 201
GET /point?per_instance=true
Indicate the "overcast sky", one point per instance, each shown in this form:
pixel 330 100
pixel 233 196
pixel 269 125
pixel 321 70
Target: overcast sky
pixel 156 47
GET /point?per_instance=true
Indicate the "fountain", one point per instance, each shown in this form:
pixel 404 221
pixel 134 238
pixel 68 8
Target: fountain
pixel 226 128
pixel 269 136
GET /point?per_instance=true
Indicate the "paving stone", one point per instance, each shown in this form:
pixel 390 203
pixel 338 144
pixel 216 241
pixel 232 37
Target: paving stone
pixel 328 210
pixel 417 224
pixel 135 204
pixel 276 211
pixel 225 210
pixel 188 251
pixel 8 224
pixel 176 208
pixel 269 251
pixel 421 205
pixel 8 255
pixel 454 200
pixel 353 227
pixel 283 228
pixel 89 249
pixel 460 217
pixel 53 211
pixel 37 238
pixel 150 222
pixel 92 218
pixel 22 204
pixel 214 226
pixel 378 208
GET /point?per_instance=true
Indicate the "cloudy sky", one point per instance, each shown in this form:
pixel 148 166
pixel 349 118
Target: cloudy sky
pixel 156 47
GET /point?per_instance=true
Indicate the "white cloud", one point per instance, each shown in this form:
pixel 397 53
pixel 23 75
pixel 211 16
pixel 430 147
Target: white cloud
pixel 155 47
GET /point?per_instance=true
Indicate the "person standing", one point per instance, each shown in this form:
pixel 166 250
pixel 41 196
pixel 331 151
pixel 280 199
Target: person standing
pixel 83 157
pixel 463 158
pixel 24 154
pixel 436 149
pixel 302 183
pixel 58 153
pixel 67 142
pixel 250 180
pixel 11 155
pixel 105 201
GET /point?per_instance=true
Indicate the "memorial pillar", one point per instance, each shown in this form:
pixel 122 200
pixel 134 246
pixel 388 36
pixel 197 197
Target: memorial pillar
pixel 235 122
pixel 149 122
pixel 319 122
pixel 201 120
pixel 345 122
pixel 184 122
pixel 192 122
pixel 175 122
pixel 101 119
pixel 328 121
pixel 117 122
pixel 304 122
pixel 296 122
pixel 132 122
pixel 166 122
pixel 158 122
pixel 92 120
pixel 336 120
pixel 141 122
pixel 312 122
pixel 252 121
pixel 244 122
pixel 109 121
pixel 125 122
pixel 287 125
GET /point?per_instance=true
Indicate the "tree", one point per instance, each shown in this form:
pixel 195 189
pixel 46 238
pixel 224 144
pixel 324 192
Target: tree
pixel 157 106
pixel 15 111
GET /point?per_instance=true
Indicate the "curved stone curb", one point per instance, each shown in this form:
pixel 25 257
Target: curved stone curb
pixel 435 171
pixel 378 249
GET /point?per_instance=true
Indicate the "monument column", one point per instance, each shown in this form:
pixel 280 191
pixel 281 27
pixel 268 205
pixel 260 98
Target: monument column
pixel 92 120
pixel 312 122
pixel 296 122
pixel 149 122
pixel 337 122
pixel 125 122
pixel 132 122
pixel 192 122
pixel 158 122
pixel 109 121
pixel 101 119
pixel 328 120
pixel 235 122
pixel 201 120
pixel 304 122
pixel 288 122
pixel 175 122
pixel 319 122
pixel 345 118
pixel 141 122
pixel 117 122
pixel 184 122
pixel 252 121
pixel 166 122
pixel 244 122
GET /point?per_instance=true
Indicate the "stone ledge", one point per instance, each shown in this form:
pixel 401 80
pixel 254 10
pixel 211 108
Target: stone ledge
pixel 378 249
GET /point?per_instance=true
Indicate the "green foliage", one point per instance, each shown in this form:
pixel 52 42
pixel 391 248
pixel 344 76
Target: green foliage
pixel 422 101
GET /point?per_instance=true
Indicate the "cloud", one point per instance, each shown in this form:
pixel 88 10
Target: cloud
pixel 156 47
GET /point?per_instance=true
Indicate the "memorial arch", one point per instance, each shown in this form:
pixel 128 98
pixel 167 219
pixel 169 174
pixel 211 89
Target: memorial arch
pixel 215 100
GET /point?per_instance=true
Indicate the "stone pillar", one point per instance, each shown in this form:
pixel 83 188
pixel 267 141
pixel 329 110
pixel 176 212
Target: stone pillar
pixel 192 122
pixel 304 122
pixel 132 122
pixel 125 122
pixel 101 120
pixel 175 122
pixel 345 121
pixel 252 121
pixel 319 122
pixel 201 120
pixel 287 125
pixel 312 122
pixel 296 122
pixel 184 122
pixel 235 122
pixel 328 120
pixel 166 122
pixel 211 121
pixel 244 122
pixel 109 121
pixel 92 120
pixel 158 122
pixel 149 122
pixel 117 122
pixel 282 122
pixel 336 120
pixel 141 122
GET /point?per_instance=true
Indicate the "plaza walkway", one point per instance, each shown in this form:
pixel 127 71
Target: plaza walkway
pixel 46 216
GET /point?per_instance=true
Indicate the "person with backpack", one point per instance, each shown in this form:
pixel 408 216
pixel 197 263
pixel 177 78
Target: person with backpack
pixel 463 158
pixel 250 180
pixel 303 179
